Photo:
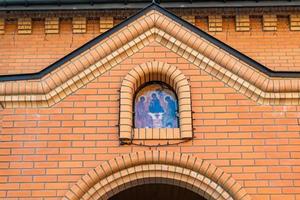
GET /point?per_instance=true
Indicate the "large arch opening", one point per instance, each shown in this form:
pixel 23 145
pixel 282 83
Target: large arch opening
pixel 156 167
pixel 158 191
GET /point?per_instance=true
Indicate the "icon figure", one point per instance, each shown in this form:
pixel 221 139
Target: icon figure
pixel 155 106
pixel 171 113
pixel 156 111
pixel 142 118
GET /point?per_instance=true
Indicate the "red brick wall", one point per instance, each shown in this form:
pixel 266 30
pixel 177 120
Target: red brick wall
pixel 44 151
pixel 277 50
pixel 31 53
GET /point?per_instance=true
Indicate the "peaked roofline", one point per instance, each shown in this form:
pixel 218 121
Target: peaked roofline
pixel 157 7
pixel 47 5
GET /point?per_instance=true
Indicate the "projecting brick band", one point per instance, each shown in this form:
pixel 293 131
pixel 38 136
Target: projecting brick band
pixel 145 167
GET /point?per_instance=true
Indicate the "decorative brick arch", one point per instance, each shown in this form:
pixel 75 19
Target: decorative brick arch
pixel 155 71
pixel 146 167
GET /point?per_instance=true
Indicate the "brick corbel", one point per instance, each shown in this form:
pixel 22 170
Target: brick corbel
pixel 24 25
pixel 269 22
pixel 79 24
pixel 190 18
pixel 2 26
pixel 242 23
pixel 51 25
pixel 215 23
pixel 295 22
pixel 106 23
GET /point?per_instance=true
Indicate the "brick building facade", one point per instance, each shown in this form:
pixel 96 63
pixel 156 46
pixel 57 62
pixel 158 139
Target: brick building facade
pixel 67 130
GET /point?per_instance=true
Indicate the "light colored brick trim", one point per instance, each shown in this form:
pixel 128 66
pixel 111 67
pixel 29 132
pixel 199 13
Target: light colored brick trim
pixel 24 25
pixel 215 23
pixel 79 24
pixel 295 22
pixel 269 22
pixel 153 26
pixel 155 71
pixel 242 23
pixel 190 18
pixel 2 26
pixel 156 133
pixel 106 23
pixel 139 168
pixel 51 25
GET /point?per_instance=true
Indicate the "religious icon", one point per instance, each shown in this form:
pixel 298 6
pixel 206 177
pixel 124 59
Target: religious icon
pixel 156 107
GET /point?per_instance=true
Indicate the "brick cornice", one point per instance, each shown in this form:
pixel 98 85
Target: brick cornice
pixel 132 169
pixel 228 11
pixel 152 26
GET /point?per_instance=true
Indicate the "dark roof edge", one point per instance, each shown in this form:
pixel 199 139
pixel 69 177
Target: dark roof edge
pixel 153 6
pixel 139 5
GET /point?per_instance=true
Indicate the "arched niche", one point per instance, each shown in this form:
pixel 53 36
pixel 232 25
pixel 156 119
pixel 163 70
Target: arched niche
pixel 149 72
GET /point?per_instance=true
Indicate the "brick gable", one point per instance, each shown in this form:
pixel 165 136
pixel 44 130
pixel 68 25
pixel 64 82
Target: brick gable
pixel 90 61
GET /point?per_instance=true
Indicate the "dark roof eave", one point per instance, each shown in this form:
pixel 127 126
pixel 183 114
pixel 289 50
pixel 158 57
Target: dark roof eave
pixel 140 5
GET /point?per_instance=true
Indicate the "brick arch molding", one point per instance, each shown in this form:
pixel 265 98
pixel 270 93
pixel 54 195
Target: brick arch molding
pixel 145 167
pixel 155 71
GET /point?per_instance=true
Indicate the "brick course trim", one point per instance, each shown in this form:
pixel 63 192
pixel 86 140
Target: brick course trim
pixel 138 168
pixel 154 25
pixel 155 71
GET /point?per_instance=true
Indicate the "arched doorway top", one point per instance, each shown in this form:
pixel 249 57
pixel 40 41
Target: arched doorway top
pixel 183 170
